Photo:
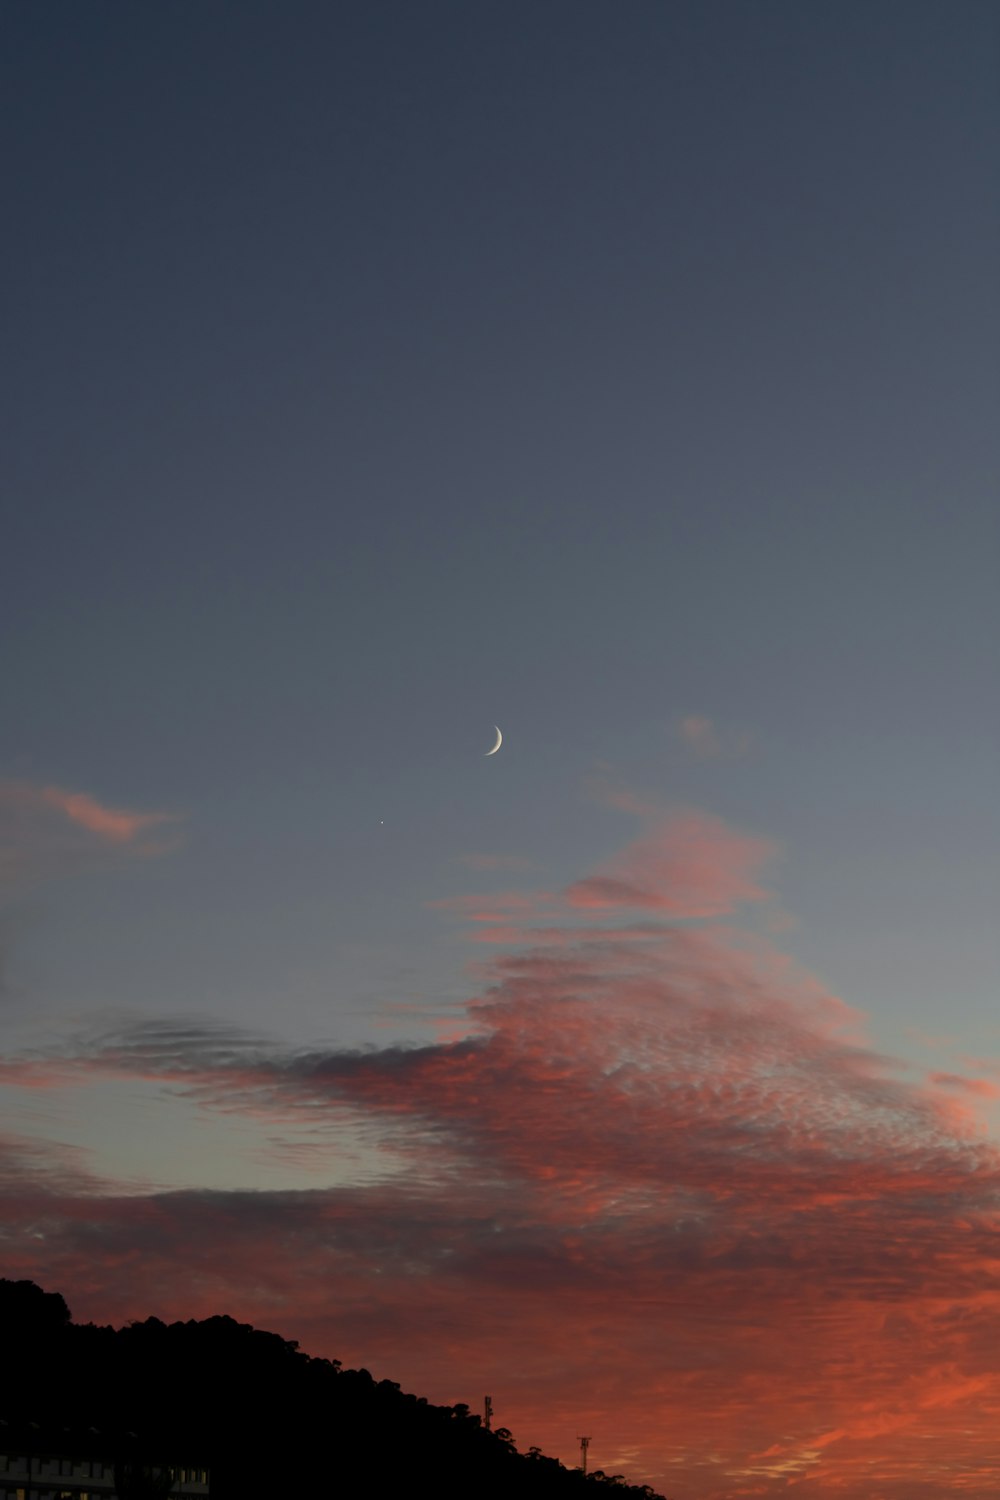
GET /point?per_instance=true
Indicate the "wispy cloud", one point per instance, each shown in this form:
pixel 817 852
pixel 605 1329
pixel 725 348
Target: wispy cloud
pixel 46 830
pixel 688 866
pixel 495 861
pixel 663 1186
pixel 112 823
pixel 978 1086
pixel 705 739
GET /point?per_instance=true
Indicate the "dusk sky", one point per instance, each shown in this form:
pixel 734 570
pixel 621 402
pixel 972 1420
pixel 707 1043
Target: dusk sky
pixel 622 373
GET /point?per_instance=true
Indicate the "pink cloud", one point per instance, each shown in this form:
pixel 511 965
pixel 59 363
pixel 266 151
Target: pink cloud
pixel 48 831
pixel 690 866
pixel 978 1086
pixel 114 824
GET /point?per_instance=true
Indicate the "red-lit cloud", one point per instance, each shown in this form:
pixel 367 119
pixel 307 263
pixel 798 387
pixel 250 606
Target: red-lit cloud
pixel 662 1191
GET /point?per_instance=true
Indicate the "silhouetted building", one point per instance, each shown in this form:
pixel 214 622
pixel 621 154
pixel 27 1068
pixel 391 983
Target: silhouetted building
pixel 42 1463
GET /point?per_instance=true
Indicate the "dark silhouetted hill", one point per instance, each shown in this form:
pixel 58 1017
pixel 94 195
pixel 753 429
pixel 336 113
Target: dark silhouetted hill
pixel 267 1419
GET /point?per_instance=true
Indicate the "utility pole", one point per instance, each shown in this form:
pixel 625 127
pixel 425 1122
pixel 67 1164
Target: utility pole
pixel 488 1413
pixel 584 1445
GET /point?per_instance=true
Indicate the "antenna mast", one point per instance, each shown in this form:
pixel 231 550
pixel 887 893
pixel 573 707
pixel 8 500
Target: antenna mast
pixel 584 1445
pixel 488 1413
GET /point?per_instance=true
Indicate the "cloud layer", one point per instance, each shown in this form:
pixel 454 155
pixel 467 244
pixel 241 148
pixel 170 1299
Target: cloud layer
pixel 661 1190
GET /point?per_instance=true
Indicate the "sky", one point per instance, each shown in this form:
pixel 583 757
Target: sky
pixel 623 376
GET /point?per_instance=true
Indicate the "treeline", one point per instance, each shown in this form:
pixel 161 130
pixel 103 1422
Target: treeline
pixel 269 1421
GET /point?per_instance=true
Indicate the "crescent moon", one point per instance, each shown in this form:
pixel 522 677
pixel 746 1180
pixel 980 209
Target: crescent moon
pixel 499 742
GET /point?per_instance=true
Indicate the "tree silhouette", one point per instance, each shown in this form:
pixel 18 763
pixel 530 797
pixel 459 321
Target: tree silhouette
pixel 264 1418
